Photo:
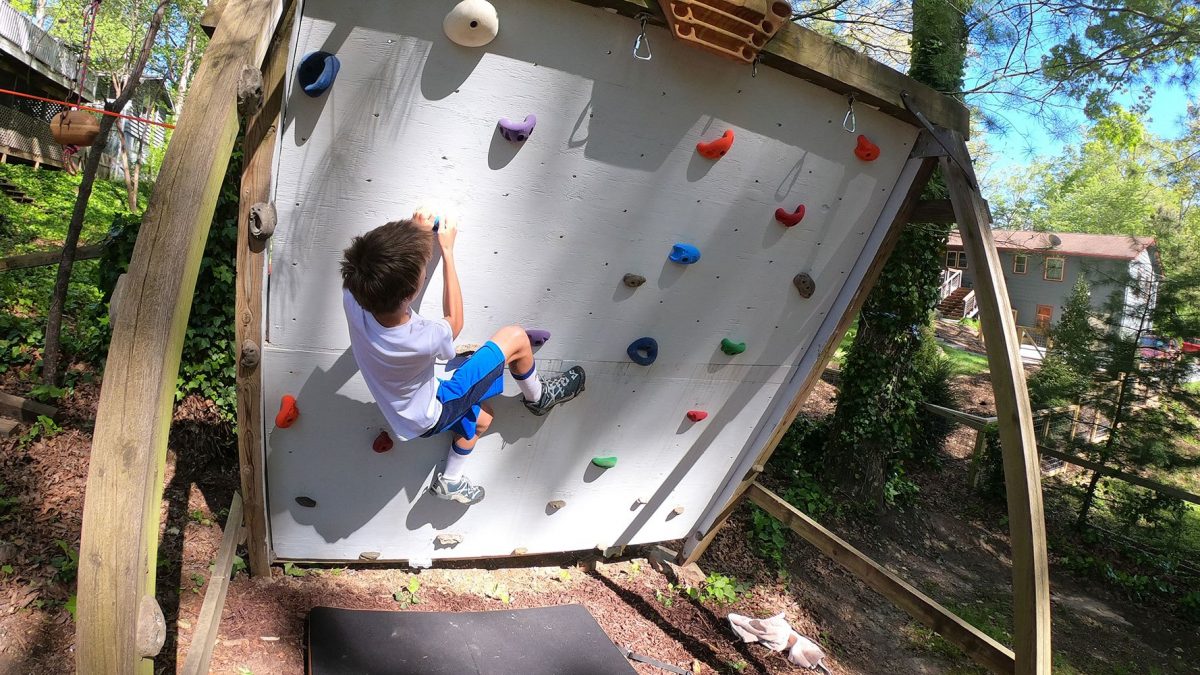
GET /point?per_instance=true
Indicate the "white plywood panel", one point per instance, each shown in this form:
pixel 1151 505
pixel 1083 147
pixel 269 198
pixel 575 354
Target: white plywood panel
pixel 607 182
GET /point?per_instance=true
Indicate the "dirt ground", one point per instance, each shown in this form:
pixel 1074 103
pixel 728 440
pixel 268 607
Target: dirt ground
pixel 950 546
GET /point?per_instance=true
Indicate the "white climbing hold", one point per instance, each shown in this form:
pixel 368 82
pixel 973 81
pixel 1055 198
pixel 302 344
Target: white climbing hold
pixel 520 551
pixel 556 504
pixel 449 539
pixel 472 23
pixel 678 510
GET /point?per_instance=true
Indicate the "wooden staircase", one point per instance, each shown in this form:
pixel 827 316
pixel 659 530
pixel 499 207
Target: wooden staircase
pixel 952 306
pixel 14 193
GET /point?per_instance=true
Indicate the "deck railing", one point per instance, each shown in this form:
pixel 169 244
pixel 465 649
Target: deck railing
pixel 951 281
pixel 31 40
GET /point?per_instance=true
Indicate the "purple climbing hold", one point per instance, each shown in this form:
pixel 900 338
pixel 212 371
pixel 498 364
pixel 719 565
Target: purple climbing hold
pixel 517 132
pixel 537 336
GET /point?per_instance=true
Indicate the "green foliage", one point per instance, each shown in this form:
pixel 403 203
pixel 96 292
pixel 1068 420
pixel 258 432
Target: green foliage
pixel 43 428
pixel 667 599
pixel 70 605
pixel 498 591
pixel 42 224
pixel 67 564
pixel 408 595
pixel 239 565
pixel 291 570
pixel 1055 384
pixel 722 590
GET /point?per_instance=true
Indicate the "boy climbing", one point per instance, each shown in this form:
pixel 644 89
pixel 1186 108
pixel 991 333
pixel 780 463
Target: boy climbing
pixel 395 348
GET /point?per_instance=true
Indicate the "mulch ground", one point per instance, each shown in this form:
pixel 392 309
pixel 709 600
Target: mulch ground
pixel 951 547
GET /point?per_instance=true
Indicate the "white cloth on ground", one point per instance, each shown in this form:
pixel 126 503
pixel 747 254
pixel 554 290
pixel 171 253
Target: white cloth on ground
pixel 776 634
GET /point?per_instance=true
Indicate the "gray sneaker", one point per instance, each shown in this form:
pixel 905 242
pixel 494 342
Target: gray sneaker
pixel 462 490
pixel 557 390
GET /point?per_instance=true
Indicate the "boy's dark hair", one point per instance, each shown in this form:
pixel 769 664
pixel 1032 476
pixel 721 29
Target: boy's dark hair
pixel 382 268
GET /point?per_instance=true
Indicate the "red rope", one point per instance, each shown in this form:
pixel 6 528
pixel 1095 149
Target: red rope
pixel 88 108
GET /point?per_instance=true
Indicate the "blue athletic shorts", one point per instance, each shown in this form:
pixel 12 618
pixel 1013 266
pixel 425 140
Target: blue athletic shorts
pixel 477 379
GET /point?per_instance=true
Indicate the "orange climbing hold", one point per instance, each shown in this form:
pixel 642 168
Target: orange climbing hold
pixel 716 149
pixel 696 415
pixel 790 219
pixel 288 412
pixel 866 150
pixel 382 443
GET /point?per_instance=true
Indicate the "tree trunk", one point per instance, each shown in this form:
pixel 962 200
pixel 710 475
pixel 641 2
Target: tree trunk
pixel 39 13
pixel 51 355
pixel 185 74
pixel 1106 454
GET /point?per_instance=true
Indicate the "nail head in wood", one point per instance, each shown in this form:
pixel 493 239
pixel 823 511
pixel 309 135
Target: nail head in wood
pixel 249 91
pixel 262 220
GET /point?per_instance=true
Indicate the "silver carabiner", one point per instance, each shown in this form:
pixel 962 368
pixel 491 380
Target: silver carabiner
pixel 642 40
pixel 849 123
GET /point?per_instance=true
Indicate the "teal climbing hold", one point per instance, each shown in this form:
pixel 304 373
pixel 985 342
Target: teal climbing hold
pixel 730 347
pixel 605 462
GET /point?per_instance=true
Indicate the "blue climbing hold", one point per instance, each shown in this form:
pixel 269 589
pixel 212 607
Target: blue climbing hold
pixel 684 254
pixel 316 72
pixel 643 351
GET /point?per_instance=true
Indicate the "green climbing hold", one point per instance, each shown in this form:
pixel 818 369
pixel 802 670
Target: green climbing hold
pixel 605 462
pixel 730 347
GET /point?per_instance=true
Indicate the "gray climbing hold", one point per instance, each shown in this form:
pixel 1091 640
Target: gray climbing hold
pixel 633 280
pixel 250 354
pixel 450 540
pixel 369 555
pixel 262 220
pixel 804 284
pixel 249 91
pixel 307 502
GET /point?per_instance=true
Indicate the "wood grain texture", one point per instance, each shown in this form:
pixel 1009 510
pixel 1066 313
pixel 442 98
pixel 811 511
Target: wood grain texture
pixel 1022 468
pixel 977 422
pixel 124 488
pixel 41 259
pixel 207 624
pixel 1132 479
pixel 895 215
pixel 259 154
pixel 975 643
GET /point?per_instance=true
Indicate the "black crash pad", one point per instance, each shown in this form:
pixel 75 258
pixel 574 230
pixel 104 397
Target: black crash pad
pixel 564 639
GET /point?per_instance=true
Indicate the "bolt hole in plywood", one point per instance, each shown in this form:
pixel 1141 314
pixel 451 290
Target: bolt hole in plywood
pixel 613 165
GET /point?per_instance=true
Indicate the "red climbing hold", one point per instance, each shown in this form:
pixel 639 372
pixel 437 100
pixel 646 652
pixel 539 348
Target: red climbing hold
pixel 790 219
pixel 696 415
pixel 866 150
pixel 716 149
pixel 382 443
pixel 288 412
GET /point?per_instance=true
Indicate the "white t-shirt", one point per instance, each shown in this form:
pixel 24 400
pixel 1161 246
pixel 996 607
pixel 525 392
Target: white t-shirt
pixel 397 364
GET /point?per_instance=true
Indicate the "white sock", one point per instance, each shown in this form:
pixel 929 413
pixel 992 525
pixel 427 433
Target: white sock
pixel 531 385
pixel 454 464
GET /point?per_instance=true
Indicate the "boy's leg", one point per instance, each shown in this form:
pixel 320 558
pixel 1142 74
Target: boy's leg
pixel 461 448
pixel 540 395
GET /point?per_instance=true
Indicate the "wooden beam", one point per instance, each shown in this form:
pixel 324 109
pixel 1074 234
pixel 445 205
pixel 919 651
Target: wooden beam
pixel 24 409
pixel 201 649
pixel 939 211
pixel 975 643
pixel 810 56
pixel 125 476
pixel 258 151
pixel 1022 468
pixel 43 258
pixel 966 419
pixel 1121 475
pixel 212 16
pixel 918 172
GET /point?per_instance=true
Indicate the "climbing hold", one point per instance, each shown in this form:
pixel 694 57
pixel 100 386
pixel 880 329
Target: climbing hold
pixel 716 149
pixel 520 551
pixel 633 280
pixel 382 443
pixel 369 555
pixel 605 462
pixel 250 354
pixel 249 90
pixel 790 219
pixel 696 415
pixel 316 72
pixel 643 351
pixel 537 336
pixel 866 150
pixel 556 504
pixel 804 284
pixel 450 540
pixel 472 23
pixel 74 127
pixel 307 502
pixel 678 510
pixel 730 347
pixel 288 412
pixel 517 132
pixel 638 501
pixel 261 220
pixel 684 254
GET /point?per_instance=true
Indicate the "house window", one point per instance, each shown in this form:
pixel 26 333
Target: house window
pixel 956 259
pixel 1020 264
pixel 1054 269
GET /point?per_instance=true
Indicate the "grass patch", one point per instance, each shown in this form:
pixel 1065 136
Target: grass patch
pixel 42 224
pixel 965 362
pixel 839 357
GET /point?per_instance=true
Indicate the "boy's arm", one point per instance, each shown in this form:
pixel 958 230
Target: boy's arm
pixel 452 302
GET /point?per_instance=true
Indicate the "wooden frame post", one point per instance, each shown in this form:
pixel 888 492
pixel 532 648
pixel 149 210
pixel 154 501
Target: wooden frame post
pixel 1022 469
pixel 258 155
pixel 119 624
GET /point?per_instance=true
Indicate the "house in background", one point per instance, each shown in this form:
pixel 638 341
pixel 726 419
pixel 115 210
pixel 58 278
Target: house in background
pixel 1041 268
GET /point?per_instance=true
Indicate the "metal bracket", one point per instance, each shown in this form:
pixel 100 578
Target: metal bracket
pixel 939 137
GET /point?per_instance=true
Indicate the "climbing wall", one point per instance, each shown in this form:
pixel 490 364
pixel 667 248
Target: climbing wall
pixel 607 182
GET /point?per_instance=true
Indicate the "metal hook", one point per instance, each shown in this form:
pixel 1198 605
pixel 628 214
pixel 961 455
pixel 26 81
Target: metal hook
pixel 849 123
pixel 642 40
pixel 754 65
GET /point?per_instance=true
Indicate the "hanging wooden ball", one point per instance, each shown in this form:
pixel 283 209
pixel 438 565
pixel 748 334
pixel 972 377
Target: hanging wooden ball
pixel 74 127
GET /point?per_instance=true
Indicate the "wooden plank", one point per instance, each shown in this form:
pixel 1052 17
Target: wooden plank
pixel 1022 468
pixel 976 644
pixel 938 211
pixel 212 16
pixel 811 56
pixel 125 476
pixel 205 638
pixel 24 409
pixel 1121 475
pixel 43 258
pixel 967 419
pixel 919 170
pixel 8 426
pixel 259 152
